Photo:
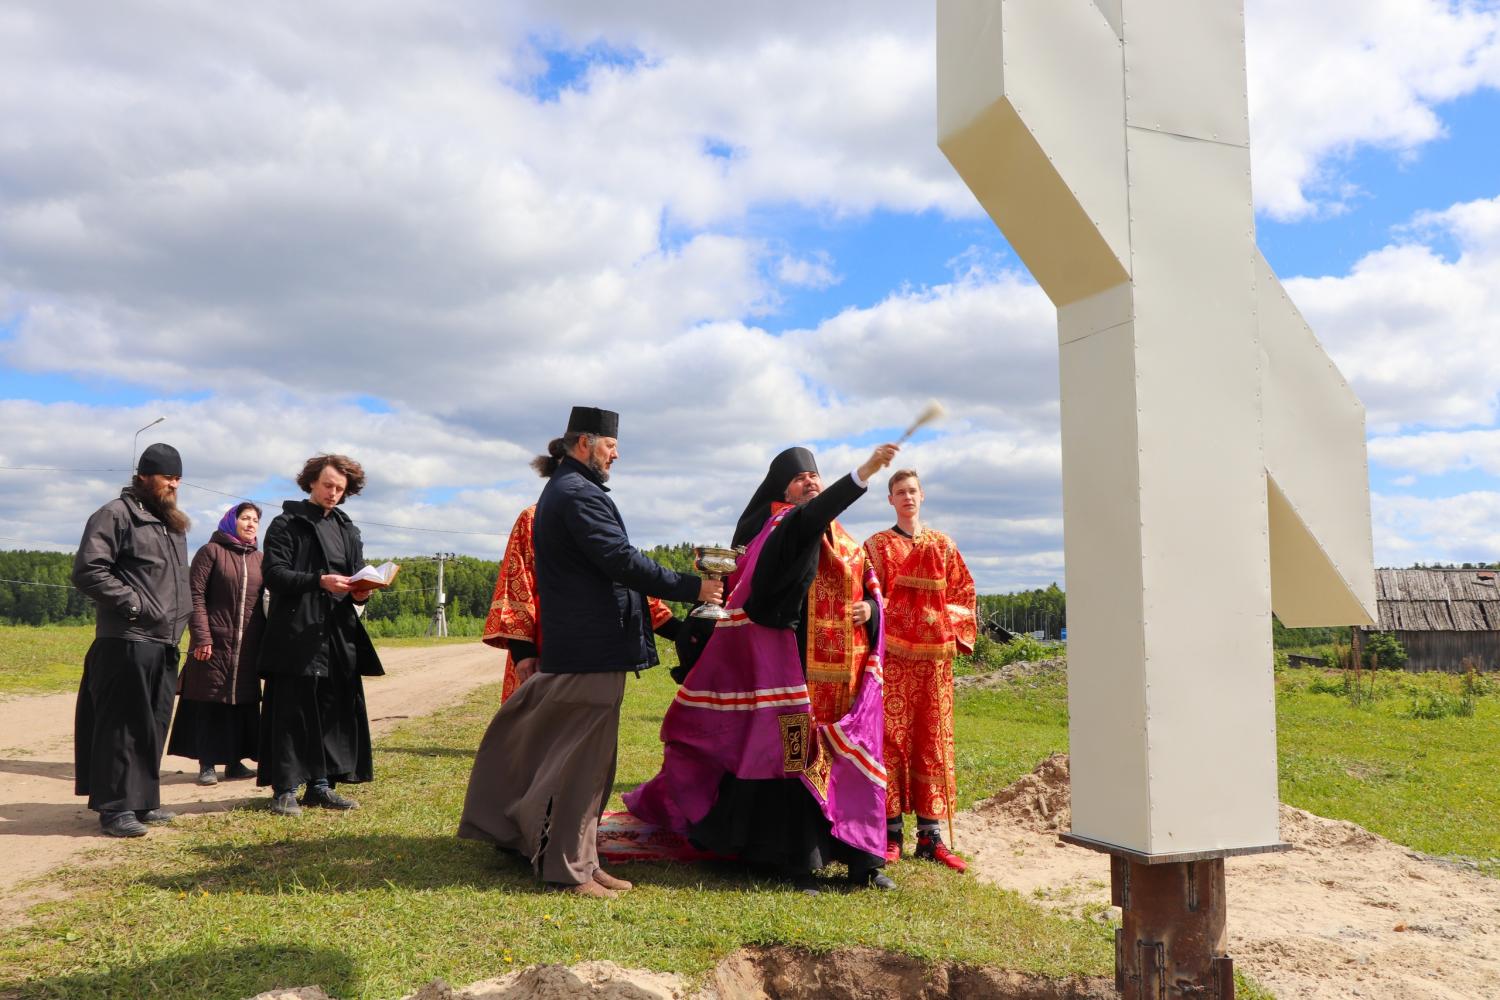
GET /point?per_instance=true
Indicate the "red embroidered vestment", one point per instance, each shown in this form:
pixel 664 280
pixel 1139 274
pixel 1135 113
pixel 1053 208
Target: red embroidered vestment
pixel 929 618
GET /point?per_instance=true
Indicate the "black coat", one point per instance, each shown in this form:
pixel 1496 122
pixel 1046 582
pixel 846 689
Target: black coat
pixel 590 579
pixel 228 615
pixel 135 571
pixel 303 615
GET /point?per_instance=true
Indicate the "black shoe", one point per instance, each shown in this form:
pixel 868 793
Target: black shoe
pixel 238 772
pixel 327 798
pixel 122 825
pixel 874 878
pixel 207 775
pixel 285 804
pixel 155 815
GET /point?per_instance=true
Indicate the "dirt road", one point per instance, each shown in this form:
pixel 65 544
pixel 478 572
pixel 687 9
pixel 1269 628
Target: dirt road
pixel 43 825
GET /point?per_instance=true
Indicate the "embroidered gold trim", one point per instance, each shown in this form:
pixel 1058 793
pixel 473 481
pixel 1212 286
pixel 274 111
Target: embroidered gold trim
pixel 920 583
pixel 796 733
pixel 820 770
pixel 934 650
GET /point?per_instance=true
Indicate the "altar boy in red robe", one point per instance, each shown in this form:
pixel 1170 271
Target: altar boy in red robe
pixel 930 618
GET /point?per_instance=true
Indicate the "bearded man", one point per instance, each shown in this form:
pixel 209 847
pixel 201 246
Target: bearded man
pixel 513 624
pixel 545 767
pixel 132 563
pixel 929 619
pixel 813 577
pixel 773 744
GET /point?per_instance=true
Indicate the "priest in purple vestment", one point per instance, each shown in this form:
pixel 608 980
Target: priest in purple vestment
pixel 747 770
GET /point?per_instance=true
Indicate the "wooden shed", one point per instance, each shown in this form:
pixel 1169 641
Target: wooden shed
pixel 1441 617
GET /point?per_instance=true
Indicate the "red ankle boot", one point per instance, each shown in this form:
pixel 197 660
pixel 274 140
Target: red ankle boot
pixel 932 848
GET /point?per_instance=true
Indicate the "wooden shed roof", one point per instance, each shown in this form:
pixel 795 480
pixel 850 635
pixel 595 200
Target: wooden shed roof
pixel 1438 600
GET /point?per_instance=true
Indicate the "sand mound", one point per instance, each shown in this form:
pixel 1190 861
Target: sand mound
pixel 594 980
pixel 777 974
pixel 1040 801
pixel 1304 830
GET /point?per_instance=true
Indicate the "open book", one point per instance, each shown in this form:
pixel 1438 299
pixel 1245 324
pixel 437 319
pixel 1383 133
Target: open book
pixel 375 577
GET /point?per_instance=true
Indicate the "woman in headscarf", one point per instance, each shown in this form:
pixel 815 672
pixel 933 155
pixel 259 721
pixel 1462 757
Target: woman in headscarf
pixel 218 711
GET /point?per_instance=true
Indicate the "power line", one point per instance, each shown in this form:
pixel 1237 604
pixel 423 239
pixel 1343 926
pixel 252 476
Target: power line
pixel 263 503
pixel 373 524
pixel 43 468
pixel 39 583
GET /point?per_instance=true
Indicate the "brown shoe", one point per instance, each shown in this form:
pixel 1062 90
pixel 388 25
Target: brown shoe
pixel 607 880
pixel 591 889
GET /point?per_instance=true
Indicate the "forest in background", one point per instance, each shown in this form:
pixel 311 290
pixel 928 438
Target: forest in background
pixel 35 590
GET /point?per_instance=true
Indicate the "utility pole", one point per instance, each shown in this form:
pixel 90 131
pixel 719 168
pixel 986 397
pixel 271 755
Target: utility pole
pixel 439 625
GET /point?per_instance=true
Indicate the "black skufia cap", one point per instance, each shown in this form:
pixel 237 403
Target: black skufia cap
pixel 159 460
pixel 592 420
pixel 784 468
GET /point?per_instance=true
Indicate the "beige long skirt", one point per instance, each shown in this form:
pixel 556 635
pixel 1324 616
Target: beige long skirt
pixel 544 771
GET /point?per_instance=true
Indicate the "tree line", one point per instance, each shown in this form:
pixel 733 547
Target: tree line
pixel 40 591
pixel 469 584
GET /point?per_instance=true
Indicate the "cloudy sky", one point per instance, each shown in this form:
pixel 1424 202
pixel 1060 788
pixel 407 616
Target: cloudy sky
pixel 417 233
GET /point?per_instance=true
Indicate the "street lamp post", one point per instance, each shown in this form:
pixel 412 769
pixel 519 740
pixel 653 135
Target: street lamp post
pixel 137 438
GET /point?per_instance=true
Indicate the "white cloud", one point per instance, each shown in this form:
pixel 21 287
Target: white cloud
pixel 1436 452
pixel 1330 77
pixel 1416 332
pixel 814 271
pixel 1456 529
pixel 267 211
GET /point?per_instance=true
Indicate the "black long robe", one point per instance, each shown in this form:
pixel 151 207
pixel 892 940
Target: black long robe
pixel 314 724
pixel 774 821
pixel 120 723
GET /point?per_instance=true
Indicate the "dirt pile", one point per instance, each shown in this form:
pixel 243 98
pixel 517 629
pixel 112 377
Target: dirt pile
pixel 1040 801
pixel 1308 832
pixel 778 974
pixel 1010 673
pixel 593 980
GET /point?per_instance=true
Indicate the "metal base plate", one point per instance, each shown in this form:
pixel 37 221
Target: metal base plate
pixel 1141 858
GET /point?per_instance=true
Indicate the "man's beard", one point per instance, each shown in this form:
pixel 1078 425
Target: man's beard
pixel 599 468
pixel 163 505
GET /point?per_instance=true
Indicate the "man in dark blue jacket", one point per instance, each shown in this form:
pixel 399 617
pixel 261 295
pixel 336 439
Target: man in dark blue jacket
pixel 546 765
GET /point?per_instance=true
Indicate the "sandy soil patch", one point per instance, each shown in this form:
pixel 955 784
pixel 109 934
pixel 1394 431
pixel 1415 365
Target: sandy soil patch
pixel 767 973
pixel 1345 913
pixel 43 825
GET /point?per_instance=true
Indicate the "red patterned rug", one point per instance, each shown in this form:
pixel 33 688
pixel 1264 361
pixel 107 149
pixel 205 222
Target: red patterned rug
pixel 622 837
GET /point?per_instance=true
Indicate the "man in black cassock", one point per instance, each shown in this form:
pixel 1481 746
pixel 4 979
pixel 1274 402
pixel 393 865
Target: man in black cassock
pixel 132 563
pixel 314 727
pixel 545 767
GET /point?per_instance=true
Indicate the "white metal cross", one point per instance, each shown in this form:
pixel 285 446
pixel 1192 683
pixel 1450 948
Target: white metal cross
pixel 1213 458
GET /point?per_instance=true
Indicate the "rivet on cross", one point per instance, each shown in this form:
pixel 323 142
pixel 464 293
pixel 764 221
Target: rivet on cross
pixel 1213 457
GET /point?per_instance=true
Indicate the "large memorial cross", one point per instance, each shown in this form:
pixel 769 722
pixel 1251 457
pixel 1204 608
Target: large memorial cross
pixel 1214 461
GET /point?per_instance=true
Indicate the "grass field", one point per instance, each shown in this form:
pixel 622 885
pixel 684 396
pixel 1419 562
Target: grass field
pixel 49 659
pixel 1430 784
pixel 243 901
pixel 376 902
pixel 42 660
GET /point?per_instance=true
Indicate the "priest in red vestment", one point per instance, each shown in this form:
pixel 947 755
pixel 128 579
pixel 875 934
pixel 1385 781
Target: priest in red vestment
pixel 929 619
